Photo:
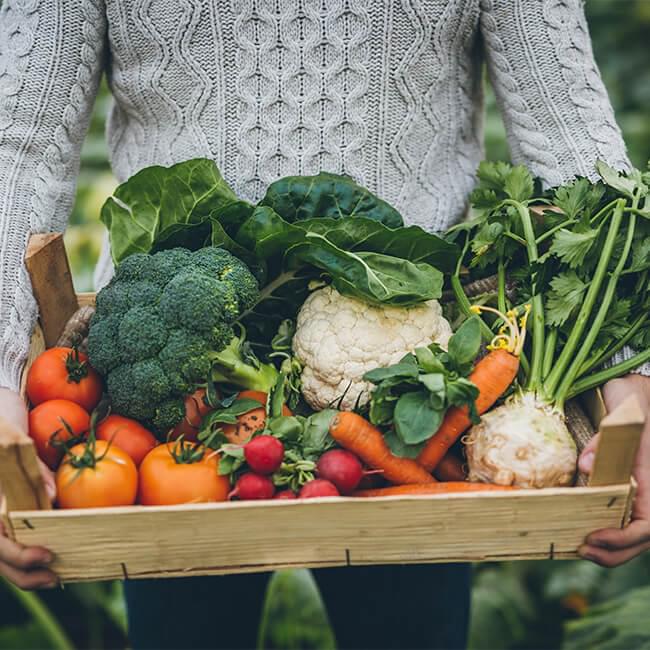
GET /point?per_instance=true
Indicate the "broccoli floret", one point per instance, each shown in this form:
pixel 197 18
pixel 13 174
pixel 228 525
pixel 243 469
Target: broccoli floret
pixel 218 302
pixel 142 333
pixel 164 326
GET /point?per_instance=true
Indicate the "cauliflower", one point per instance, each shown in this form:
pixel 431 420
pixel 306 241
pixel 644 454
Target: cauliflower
pixel 338 339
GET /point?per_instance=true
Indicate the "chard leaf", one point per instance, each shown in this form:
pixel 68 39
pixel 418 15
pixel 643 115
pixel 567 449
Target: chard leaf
pixel 573 246
pixel 415 418
pixel 327 195
pixel 615 179
pixel 564 298
pixel 165 203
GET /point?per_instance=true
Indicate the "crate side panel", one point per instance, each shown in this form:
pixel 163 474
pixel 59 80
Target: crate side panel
pixel 228 538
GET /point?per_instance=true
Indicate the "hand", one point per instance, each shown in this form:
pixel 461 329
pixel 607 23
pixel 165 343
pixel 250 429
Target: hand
pixel 611 547
pixel 25 566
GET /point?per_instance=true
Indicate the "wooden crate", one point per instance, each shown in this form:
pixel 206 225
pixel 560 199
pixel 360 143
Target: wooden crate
pixel 138 541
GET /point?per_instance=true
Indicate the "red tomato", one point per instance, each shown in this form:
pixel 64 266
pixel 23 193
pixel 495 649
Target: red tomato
pixel 164 481
pixel 195 409
pixel 128 435
pixel 109 479
pixel 50 419
pixel 63 373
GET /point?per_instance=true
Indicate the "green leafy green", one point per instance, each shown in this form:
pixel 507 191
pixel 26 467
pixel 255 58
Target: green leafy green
pixel 327 195
pixel 159 204
pixel 573 246
pixel 564 298
pixel 413 395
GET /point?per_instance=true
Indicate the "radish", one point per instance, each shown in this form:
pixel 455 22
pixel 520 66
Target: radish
pixel 251 486
pixel 286 494
pixel 264 454
pixel 342 468
pixel 318 487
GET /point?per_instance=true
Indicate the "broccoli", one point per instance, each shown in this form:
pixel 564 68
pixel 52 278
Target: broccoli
pixel 165 325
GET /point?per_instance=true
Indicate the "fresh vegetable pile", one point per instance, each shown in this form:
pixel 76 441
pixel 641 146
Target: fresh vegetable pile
pixel 297 348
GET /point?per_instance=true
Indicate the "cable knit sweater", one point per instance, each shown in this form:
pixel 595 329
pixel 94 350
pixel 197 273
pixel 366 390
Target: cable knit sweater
pixel 388 92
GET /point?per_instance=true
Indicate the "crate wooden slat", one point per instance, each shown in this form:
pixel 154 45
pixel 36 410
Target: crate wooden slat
pixel 202 539
pixel 229 538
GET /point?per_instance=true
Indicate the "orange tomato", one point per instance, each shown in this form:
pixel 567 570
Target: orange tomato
pixel 195 409
pixel 63 373
pixel 129 435
pixel 251 422
pixel 164 481
pixel 49 420
pixel 110 480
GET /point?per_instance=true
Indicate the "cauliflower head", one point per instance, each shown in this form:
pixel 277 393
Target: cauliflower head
pixel 338 339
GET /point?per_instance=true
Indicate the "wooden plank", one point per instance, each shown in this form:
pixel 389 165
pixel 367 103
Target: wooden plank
pixel 86 299
pixel 243 537
pixel 620 433
pixel 47 265
pixel 20 475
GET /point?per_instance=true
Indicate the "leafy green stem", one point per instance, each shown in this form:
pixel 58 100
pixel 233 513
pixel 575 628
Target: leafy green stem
pixel 549 351
pixel 603 376
pixel 537 357
pixel 466 307
pixel 610 289
pixel 568 353
pixel 549 233
pixel 501 286
pixel 599 358
pixel 603 211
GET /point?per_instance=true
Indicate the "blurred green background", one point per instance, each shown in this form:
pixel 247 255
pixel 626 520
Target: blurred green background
pixel 563 605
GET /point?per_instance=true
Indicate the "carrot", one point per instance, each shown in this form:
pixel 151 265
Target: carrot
pixel 435 488
pixel 357 435
pixel 492 375
pixel 450 468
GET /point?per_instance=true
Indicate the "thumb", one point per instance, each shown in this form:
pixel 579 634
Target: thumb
pixel 586 460
pixel 48 480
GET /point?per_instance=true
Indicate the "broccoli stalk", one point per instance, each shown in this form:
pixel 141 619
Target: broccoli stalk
pixel 235 364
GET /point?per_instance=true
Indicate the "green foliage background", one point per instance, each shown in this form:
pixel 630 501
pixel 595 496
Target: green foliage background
pixel 563 605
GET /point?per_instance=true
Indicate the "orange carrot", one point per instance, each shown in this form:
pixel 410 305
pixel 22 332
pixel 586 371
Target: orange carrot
pixel 433 488
pixel 450 468
pixel 492 375
pixel 357 435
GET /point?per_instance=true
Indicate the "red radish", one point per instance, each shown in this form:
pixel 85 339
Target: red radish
pixel 286 494
pixel 264 454
pixel 318 487
pixel 342 468
pixel 252 486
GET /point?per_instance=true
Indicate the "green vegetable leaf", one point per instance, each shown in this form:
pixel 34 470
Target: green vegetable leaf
pixel 465 343
pixel 415 418
pixel 400 448
pixel 564 298
pixel 615 179
pixel 428 360
pixel 315 437
pixel 327 195
pixel 518 184
pixel 573 246
pixel 493 175
pixel 435 384
pixel 577 197
pixel 406 368
pixel 161 203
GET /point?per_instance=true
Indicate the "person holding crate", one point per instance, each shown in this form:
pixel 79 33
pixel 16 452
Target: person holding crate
pixel 387 92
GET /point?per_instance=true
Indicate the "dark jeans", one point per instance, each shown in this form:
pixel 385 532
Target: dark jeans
pixel 406 606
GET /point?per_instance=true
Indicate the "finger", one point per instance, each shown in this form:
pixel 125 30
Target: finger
pixel 35 579
pixel 23 557
pixel 588 455
pixel 637 532
pixel 611 559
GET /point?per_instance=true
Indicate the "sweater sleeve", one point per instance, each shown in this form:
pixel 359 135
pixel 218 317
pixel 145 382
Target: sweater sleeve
pixel 51 60
pixel 557 115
